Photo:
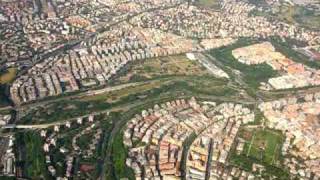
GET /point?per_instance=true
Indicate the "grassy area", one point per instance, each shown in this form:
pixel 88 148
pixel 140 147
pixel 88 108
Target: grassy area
pixel 286 14
pixel 7 178
pixel 4 101
pixel 115 96
pixel 202 84
pixel 64 139
pixel 62 110
pixel 5 78
pixel 285 49
pixel 163 66
pixel 34 163
pixel 291 14
pixel 259 3
pixel 246 163
pixel 299 15
pixel 209 3
pixel 264 145
pixel 253 75
pixel 261 147
pixel 8 76
pixel 65 109
pixel 119 153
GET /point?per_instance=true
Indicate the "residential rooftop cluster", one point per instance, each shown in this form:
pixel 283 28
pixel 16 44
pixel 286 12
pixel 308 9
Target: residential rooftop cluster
pixel 98 64
pixel 208 154
pixel 14 45
pixel 156 139
pixel 37 28
pixel 34 28
pixel 79 44
pixel 293 74
pixel 233 20
pixel 5 119
pixel 79 48
pixel 298 118
pixel 55 145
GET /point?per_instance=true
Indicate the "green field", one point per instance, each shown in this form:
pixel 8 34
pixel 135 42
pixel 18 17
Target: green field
pixel 299 15
pixel 31 148
pixel 291 14
pixel 285 49
pixel 262 146
pixel 4 101
pixel 119 153
pixel 171 87
pixel 8 76
pixel 62 110
pixel 163 66
pixel 253 75
pixel 34 164
pixel 208 3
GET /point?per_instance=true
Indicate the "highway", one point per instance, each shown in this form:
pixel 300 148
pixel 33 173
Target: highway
pixel 79 95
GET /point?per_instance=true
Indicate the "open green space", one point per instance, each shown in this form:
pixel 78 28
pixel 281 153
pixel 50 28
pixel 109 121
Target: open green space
pixel 208 3
pixel 119 153
pixel 291 14
pixel 7 178
pixel 286 49
pixel 253 75
pixel 4 100
pixel 301 15
pixel 259 3
pixel 162 66
pixel 30 147
pixel 186 85
pixel 8 75
pixel 262 146
pixel 62 110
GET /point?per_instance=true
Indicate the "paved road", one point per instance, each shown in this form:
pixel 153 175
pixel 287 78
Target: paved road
pixel 47 125
pixel 210 66
pixel 121 123
pixel 291 92
pixel 103 28
pixel 82 94
pixel 238 77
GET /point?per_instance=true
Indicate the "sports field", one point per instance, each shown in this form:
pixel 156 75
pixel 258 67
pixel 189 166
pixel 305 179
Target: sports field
pixel 263 145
